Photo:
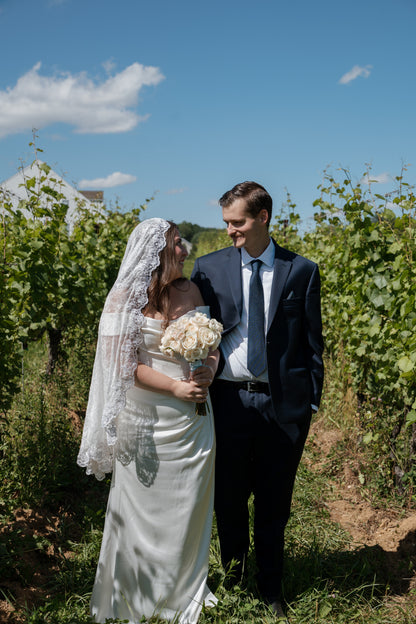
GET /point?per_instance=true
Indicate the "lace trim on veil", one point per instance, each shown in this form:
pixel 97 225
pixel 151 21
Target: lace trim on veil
pixel 119 339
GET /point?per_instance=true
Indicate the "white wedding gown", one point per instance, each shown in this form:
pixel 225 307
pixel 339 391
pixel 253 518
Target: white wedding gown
pixel 155 548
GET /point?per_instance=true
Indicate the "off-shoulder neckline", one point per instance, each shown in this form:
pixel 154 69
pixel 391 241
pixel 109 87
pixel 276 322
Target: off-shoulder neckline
pixel 150 318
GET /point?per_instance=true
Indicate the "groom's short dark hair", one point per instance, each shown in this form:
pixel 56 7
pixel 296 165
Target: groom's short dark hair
pixel 255 195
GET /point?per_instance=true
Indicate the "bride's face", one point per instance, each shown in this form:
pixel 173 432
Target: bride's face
pixel 180 254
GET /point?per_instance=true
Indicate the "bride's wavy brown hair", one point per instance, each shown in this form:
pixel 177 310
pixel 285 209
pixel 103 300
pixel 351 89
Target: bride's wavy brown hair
pixel 158 291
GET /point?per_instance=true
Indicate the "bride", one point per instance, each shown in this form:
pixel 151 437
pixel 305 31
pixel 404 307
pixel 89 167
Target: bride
pixel 141 425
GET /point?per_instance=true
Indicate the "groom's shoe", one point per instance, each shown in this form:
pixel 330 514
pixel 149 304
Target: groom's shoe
pixel 276 607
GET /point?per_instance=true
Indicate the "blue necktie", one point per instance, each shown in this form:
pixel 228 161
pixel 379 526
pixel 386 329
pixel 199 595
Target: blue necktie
pixel 256 353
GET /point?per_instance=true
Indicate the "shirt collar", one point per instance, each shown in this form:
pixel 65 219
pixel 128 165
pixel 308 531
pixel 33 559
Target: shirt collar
pixel 267 257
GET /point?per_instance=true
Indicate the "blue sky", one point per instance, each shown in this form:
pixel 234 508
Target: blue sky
pixel 182 100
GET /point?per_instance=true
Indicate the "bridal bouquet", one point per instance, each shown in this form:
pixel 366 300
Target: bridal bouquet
pixel 192 336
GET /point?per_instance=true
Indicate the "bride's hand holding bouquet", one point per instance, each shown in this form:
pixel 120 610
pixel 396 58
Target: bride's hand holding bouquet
pixel 193 336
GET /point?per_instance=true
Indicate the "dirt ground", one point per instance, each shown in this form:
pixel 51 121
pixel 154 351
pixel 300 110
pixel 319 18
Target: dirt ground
pixel 392 530
pixel 37 558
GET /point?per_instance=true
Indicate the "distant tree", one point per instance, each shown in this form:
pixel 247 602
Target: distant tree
pixel 189 230
pixel 209 240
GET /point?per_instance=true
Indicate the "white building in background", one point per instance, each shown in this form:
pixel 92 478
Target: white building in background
pixel 14 191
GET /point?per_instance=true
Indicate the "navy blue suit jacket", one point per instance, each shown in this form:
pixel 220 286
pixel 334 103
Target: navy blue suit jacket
pixel 294 335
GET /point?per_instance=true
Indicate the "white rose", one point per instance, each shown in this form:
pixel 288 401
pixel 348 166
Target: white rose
pixel 167 350
pixel 206 336
pixel 190 339
pixel 164 343
pixel 216 343
pixel 215 326
pixel 171 332
pixel 200 319
pixel 175 345
pixel 192 355
pixel 180 335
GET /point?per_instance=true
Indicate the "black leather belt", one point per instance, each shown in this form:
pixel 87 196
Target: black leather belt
pixel 249 386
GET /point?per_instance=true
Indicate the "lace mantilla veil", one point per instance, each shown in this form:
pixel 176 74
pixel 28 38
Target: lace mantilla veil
pixel 119 338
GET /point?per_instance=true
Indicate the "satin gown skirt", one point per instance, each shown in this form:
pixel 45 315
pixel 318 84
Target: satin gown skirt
pixel 155 548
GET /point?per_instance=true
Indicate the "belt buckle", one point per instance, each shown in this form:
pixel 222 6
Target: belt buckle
pixel 251 386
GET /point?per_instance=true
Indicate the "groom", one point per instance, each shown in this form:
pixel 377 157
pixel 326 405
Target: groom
pixel 269 381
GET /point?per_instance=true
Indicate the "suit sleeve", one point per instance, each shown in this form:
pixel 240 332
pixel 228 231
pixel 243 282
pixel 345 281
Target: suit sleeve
pixel 200 278
pixel 196 274
pixel 315 345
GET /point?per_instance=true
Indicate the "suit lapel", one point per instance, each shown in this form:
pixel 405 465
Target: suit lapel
pixel 281 271
pixel 233 271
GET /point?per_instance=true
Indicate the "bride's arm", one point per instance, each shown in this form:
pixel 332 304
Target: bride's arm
pixel 150 379
pixel 195 389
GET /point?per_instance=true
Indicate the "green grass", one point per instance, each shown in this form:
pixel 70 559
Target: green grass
pixel 51 551
pixel 326 581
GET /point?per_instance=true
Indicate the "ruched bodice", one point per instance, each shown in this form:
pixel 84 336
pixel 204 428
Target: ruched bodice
pixel 151 355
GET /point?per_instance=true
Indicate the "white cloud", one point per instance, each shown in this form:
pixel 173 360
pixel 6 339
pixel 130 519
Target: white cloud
pixel 381 178
pixel 109 65
pixel 37 101
pixel 354 73
pixel 55 136
pixel 176 191
pixel 114 179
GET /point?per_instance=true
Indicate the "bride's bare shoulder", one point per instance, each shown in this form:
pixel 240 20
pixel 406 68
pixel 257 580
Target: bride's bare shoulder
pixel 195 294
pixel 185 296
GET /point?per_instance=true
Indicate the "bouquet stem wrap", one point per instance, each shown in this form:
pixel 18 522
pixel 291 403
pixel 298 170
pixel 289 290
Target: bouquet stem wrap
pixel 200 408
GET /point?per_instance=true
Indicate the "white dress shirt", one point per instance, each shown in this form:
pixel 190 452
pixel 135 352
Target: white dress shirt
pixel 234 345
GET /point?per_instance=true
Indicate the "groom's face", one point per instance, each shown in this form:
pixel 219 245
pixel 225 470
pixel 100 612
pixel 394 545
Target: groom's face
pixel 244 230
